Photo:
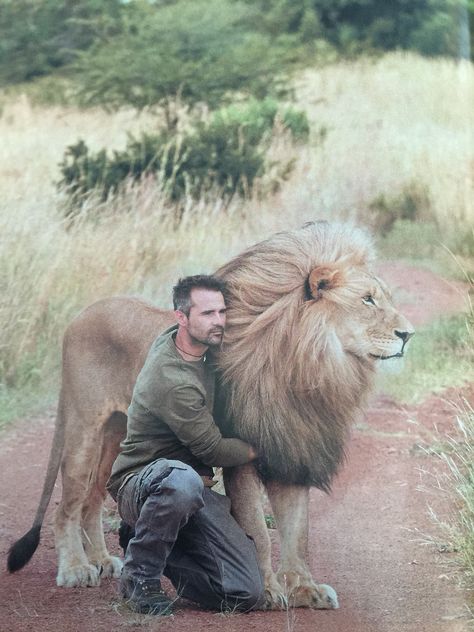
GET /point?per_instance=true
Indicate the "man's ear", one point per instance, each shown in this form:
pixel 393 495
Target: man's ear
pixel 323 279
pixel 181 318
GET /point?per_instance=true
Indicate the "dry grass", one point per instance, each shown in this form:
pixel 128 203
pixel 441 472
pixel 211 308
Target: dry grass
pixel 455 483
pixel 393 121
pixel 397 120
pixel 461 467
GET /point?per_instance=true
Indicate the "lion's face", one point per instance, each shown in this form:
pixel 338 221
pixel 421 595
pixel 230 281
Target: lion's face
pixel 366 322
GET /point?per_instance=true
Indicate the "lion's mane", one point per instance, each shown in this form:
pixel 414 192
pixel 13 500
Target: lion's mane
pixel 291 390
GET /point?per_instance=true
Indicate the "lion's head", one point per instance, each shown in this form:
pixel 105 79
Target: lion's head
pixel 308 321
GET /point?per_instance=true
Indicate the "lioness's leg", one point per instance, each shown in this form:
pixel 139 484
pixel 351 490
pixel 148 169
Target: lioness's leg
pixel 244 489
pixel 290 506
pixel 92 527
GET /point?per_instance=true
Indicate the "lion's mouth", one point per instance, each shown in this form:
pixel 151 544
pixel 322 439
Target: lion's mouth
pixel 385 357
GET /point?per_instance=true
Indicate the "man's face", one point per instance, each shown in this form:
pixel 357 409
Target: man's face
pixel 206 320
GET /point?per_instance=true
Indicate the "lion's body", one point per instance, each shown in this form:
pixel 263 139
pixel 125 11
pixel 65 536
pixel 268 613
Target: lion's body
pixel 297 364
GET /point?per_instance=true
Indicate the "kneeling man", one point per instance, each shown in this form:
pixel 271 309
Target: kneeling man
pixel 163 475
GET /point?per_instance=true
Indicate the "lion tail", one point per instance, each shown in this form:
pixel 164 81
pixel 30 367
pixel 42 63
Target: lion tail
pixel 22 550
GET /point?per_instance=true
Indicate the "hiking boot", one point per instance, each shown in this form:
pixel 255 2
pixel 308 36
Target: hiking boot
pixel 145 595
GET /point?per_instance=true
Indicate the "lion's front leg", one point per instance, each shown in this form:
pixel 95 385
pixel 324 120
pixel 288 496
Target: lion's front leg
pixel 245 491
pixel 290 506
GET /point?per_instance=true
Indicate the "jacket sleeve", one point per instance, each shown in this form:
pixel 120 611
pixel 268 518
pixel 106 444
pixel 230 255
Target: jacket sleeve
pixel 186 413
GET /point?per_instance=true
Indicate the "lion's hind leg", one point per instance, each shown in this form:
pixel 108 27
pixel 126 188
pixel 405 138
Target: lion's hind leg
pixel 290 506
pixel 74 568
pixel 79 494
pixel 92 527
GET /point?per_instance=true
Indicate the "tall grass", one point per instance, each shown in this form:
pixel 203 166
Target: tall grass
pixel 396 120
pixel 393 121
pixel 460 460
pixel 456 482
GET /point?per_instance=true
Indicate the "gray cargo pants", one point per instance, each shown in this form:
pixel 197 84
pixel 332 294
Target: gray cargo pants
pixel 185 531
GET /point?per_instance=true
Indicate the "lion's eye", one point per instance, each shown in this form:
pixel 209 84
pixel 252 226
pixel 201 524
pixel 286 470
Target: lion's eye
pixel 368 300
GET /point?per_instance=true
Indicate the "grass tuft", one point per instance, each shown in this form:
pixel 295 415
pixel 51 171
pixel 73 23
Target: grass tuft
pixel 459 529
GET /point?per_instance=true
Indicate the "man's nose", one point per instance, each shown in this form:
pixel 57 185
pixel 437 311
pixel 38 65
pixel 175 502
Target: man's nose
pixel 219 319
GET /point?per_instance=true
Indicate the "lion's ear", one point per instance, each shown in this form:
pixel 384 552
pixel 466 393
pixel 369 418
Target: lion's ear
pixel 322 279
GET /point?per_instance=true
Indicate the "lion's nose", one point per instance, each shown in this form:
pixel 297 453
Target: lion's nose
pixel 404 335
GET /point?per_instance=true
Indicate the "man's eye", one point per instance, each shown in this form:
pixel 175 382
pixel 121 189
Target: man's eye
pixel 368 299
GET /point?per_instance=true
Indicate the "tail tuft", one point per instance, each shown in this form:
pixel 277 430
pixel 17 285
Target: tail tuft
pixel 22 551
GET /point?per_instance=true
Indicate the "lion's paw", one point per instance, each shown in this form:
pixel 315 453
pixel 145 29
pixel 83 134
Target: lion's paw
pixel 111 566
pixel 275 598
pixel 78 575
pixel 303 592
pixel 313 595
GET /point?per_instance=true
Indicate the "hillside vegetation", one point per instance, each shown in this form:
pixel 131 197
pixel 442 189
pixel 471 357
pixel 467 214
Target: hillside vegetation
pixel 396 155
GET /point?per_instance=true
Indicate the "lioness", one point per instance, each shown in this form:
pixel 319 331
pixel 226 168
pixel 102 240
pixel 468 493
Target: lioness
pixel 307 324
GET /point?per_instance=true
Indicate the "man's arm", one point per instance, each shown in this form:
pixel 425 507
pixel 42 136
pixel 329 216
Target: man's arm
pixel 187 415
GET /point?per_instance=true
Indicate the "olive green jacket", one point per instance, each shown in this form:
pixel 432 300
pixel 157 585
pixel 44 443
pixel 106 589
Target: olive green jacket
pixel 170 416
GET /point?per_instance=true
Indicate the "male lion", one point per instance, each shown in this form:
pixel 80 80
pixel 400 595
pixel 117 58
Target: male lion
pixel 307 324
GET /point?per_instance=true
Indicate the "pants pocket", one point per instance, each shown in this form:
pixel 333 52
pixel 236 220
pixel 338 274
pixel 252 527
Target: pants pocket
pixel 126 501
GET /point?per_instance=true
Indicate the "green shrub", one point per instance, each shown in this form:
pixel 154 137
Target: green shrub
pixel 228 152
pixel 411 204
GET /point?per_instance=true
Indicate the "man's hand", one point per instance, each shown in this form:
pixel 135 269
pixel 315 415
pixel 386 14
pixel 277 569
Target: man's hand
pixel 252 454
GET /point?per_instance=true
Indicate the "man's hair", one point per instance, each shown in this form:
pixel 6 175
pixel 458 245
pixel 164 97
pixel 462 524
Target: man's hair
pixel 182 290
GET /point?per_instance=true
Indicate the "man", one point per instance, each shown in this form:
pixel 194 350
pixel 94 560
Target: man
pixel 162 477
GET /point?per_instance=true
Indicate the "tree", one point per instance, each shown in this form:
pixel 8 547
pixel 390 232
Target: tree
pixel 184 52
pixel 434 27
pixel 40 36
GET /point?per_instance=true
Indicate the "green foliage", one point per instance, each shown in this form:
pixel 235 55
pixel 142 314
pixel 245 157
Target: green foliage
pixel 270 521
pixel 447 30
pixel 434 27
pixel 37 38
pixel 183 53
pixel 411 204
pixel 147 51
pixel 226 153
pixel 297 122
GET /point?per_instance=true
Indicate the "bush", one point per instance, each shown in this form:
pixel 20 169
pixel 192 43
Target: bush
pixel 180 53
pixel 411 204
pixel 228 152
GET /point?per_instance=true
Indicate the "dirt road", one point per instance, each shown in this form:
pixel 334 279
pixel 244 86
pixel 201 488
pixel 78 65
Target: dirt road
pixel 366 537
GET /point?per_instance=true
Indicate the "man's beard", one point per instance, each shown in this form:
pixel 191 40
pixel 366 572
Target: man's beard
pixel 212 339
